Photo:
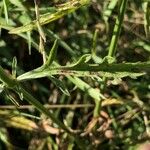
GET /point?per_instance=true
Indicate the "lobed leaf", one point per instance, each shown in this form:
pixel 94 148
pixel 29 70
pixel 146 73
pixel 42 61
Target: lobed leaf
pixel 120 70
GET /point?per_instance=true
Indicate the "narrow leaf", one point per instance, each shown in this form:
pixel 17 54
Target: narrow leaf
pixel 52 53
pixel 14 67
pixel 17 3
pixel 5 10
pixel 108 10
pixel 60 85
pixel 146 8
pixel 94 42
pixel 11 98
pixel 29 41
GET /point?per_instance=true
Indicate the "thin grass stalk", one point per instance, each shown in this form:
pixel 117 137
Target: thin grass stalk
pixel 116 33
pixel 93 51
pixel 117 29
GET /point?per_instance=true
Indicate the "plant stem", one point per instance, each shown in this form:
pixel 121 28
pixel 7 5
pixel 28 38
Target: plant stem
pixel 117 29
pixel 97 108
pixel 115 37
pixel 6 78
pixel 13 84
pixel 42 109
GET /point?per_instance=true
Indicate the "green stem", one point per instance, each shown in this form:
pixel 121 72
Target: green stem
pixel 13 84
pixel 117 29
pixel 97 108
pixel 92 92
pixel 113 45
pixel 6 78
pixel 42 109
pixel 116 33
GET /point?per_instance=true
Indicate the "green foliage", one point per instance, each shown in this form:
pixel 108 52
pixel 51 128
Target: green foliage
pixel 65 54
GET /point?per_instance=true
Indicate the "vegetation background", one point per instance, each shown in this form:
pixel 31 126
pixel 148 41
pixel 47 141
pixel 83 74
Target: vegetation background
pixel 74 74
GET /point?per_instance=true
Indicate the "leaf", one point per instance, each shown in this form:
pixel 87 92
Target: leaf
pixel 146 9
pixel 11 98
pixel 14 67
pixel 49 17
pixel 4 25
pixel 60 85
pixel 13 119
pixel 120 70
pixel 29 41
pixel 108 10
pixel 1 88
pixel 52 35
pixel 94 93
pixel 52 53
pixel 144 45
pixel 5 10
pixel 108 59
pixel 84 59
pixel 4 137
pixel 94 44
pixel 17 3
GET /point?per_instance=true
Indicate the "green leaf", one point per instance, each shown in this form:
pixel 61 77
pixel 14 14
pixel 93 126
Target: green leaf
pixel 49 17
pixel 60 85
pixel 54 36
pixel 146 9
pixel 120 70
pixel 108 9
pixel 29 41
pixel 14 67
pixel 84 59
pixel 52 53
pixel 1 88
pixel 4 25
pixel 108 59
pixel 17 3
pixel 93 51
pixel 86 88
pixel 144 45
pixel 5 10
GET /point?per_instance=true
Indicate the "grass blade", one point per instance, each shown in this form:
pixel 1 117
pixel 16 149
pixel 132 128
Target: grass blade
pixel 117 28
pixel 52 53
pixel 5 10
pixel 146 8
pixel 49 17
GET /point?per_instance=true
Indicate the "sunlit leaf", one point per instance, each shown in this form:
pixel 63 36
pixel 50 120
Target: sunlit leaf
pixel 5 10
pixel 49 17
pixel 121 70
